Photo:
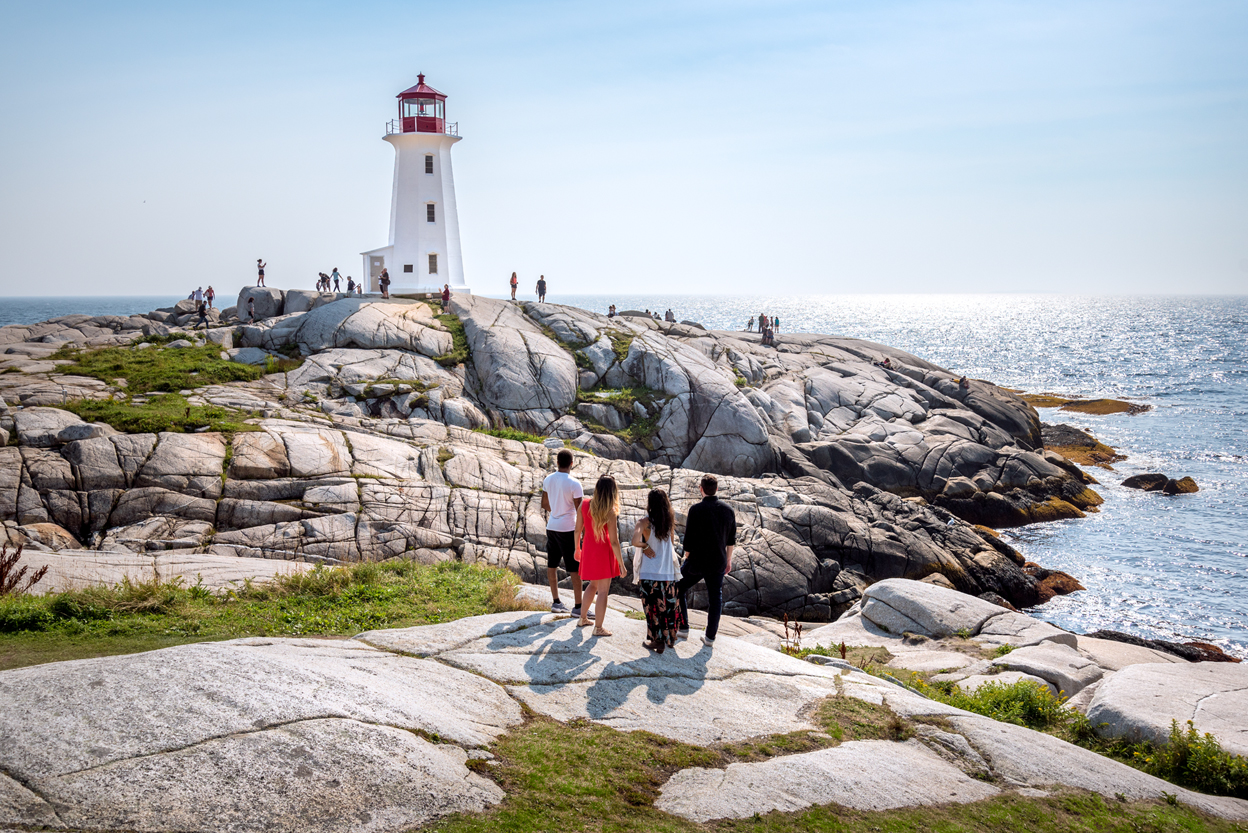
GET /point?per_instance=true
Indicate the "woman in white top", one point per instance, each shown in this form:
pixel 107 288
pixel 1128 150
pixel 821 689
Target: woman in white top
pixel 657 570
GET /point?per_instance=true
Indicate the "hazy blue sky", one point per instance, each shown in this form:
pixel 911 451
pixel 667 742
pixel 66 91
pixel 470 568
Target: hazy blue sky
pixel 796 147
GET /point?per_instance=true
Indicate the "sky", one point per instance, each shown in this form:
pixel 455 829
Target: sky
pixel 675 147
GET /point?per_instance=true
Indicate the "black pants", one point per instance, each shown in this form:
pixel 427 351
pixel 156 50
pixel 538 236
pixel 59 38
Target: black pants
pixel 714 579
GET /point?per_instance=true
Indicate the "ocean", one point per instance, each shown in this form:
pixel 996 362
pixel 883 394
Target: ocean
pixel 1163 567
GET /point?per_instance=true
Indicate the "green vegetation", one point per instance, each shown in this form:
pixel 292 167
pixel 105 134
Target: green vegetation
pixel 739 379
pixel 641 430
pixel 583 776
pixel 162 412
pixel 160 369
pixel 620 342
pixel 510 434
pixel 859 656
pixel 460 352
pixel 144 615
pixel 1188 759
pixel 1001 650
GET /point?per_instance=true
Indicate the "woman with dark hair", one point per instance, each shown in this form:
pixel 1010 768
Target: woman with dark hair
pixel 596 543
pixel 514 282
pixel 656 570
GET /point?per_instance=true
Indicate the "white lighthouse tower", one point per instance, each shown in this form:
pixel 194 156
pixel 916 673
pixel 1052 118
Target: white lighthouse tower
pixel 423 253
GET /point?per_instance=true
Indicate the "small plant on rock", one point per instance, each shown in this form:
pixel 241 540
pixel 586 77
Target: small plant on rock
pixel 11 576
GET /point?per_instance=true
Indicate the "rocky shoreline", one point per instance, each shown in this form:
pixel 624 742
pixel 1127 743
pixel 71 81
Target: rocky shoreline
pixel 843 472
pixel 866 498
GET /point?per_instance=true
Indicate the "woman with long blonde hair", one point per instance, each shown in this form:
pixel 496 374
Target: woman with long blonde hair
pixel 597 548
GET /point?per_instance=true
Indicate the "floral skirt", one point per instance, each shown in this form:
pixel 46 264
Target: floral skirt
pixel 662 607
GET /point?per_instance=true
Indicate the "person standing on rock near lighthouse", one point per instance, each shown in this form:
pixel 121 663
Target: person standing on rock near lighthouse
pixel 541 289
pixel 597 539
pixel 710 537
pixel 515 282
pixel 260 264
pixel 561 500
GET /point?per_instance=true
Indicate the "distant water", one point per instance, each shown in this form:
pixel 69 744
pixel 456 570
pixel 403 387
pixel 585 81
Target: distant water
pixel 1170 568
pixel 30 310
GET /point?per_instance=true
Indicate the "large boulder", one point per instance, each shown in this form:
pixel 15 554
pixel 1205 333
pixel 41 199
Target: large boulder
pixel 42 427
pixel 269 301
pixel 1141 701
pixel 518 367
pixel 254 734
pixel 899 605
pixel 354 322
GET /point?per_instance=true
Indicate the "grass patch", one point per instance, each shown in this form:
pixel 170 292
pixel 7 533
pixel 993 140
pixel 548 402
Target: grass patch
pixel 738 378
pixel 620 342
pixel 163 412
pixel 460 352
pixel 847 718
pixel 157 369
pixel 642 429
pixel 510 434
pixel 583 776
pixel 1188 759
pixel 326 601
pixel 859 656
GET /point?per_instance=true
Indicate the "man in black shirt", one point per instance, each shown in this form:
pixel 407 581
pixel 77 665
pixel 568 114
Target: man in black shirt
pixel 541 289
pixel 710 537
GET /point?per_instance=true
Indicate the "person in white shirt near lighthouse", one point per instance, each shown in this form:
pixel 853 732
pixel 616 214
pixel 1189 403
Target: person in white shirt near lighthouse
pixel 423 253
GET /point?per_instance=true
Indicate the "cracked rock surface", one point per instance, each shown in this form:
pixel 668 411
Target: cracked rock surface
pixel 376 732
pixel 841 471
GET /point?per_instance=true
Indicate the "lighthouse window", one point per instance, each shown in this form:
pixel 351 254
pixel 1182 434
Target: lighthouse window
pixel 433 264
pixel 407 267
pixel 431 213
pixel 429 164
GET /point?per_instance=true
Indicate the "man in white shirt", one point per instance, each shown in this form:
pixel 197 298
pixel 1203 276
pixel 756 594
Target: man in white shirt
pixel 561 500
pixel 198 295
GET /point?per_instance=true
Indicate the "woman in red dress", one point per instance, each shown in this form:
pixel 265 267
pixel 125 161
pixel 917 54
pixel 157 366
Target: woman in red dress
pixel 597 546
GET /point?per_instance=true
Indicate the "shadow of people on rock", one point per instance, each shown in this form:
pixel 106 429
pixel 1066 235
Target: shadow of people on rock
pixel 662 675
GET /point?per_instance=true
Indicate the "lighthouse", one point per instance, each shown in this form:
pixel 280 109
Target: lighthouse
pixel 423 253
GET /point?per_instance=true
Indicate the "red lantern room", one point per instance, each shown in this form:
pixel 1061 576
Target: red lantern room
pixel 422 109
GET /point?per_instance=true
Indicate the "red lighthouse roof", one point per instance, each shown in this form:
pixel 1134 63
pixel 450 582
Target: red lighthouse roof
pixel 421 90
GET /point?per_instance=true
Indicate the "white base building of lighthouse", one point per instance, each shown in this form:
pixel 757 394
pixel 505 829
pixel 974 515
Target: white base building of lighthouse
pixel 424 250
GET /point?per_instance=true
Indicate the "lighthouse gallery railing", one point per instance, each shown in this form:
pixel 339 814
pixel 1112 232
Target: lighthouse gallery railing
pixel 396 126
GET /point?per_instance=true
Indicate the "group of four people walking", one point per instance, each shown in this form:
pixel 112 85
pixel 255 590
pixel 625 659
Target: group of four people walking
pixel 583 537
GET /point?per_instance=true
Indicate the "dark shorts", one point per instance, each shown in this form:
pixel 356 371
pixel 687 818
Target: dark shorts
pixel 561 550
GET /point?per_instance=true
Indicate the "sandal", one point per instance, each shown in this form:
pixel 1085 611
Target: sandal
pixel 584 623
pixel 601 632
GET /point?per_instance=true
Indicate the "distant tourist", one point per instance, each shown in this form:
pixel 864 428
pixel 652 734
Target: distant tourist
pixel 710 537
pixel 561 501
pixel 657 572
pixel 749 326
pixel 446 296
pixel 964 384
pixel 514 283
pixel 384 283
pixel 359 287
pixel 322 281
pixel 541 289
pixel 251 310
pixel 350 285
pixel 669 317
pixel 210 295
pixel 198 294
pixel 202 310
pixel 260 264
pixel 597 539
pixel 775 323
pixel 769 337
pixel 611 311
pixel 335 277
pixel 762 322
